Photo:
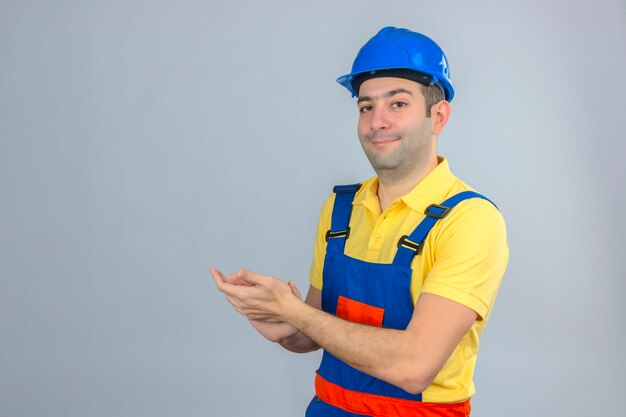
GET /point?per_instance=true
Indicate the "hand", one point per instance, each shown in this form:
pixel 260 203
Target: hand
pixel 277 331
pixel 238 280
pixel 272 328
pixel 266 298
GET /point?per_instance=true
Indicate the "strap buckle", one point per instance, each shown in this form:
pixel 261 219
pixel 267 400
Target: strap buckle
pixel 440 214
pixel 341 233
pixel 344 189
pixel 409 244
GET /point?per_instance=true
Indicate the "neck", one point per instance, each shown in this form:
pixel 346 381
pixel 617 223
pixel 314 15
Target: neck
pixel 390 188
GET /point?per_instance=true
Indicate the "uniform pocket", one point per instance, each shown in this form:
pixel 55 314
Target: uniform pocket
pixel 358 312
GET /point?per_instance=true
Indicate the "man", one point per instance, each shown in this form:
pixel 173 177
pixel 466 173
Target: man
pixel 406 266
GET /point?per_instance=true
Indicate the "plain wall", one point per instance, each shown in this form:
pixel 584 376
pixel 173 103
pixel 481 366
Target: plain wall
pixel 143 142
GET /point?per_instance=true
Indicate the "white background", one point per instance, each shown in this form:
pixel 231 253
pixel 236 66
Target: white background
pixel 143 142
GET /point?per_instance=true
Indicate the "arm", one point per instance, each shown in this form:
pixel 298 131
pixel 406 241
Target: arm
pixel 300 342
pixel 409 359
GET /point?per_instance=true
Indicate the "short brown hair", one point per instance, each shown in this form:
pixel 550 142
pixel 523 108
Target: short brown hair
pixel 433 95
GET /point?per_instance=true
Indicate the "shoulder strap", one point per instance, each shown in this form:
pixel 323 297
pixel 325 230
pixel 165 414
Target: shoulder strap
pixel 342 209
pixel 411 245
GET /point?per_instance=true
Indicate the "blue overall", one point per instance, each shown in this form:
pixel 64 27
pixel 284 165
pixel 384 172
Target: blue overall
pixel 380 292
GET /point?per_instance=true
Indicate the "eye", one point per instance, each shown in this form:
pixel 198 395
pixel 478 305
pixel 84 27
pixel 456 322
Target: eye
pixel 398 104
pixel 365 108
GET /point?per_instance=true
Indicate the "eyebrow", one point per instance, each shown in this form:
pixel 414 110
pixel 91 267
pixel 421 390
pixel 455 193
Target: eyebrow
pixel 386 95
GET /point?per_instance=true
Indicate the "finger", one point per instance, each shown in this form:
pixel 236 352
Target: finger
pixel 235 304
pixel 234 279
pixel 263 318
pixel 226 287
pixel 295 290
pixel 233 301
pixel 218 277
pixel 252 277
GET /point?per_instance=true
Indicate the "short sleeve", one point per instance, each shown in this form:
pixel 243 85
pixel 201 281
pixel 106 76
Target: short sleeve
pixel 319 249
pixel 471 254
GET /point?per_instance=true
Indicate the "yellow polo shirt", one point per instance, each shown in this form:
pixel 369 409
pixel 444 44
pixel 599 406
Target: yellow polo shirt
pixel 463 258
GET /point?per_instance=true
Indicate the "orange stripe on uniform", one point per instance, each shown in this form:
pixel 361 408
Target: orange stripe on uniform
pixel 358 312
pixel 381 406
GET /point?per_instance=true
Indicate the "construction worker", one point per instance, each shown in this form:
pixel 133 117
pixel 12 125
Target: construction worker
pixel 406 266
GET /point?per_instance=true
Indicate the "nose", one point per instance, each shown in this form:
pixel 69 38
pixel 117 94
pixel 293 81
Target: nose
pixel 379 119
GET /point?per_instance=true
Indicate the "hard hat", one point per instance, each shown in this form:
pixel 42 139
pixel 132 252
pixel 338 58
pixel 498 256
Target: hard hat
pixel 396 48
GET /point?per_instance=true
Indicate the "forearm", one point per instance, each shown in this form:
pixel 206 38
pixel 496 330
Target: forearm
pixel 387 354
pixel 299 343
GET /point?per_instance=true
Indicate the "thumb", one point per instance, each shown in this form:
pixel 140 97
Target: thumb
pixel 295 291
pixel 218 277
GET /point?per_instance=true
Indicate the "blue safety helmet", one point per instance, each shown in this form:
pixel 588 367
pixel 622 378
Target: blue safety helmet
pixel 400 49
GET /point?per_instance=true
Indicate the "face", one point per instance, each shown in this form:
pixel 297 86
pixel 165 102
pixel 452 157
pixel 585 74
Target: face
pixel 394 131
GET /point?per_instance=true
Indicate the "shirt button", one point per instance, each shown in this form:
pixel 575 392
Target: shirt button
pixel 377 238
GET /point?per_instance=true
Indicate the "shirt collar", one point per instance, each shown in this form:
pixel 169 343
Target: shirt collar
pixel 432 189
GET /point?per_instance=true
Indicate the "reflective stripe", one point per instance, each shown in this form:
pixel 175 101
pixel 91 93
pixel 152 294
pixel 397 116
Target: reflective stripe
pixel 381 406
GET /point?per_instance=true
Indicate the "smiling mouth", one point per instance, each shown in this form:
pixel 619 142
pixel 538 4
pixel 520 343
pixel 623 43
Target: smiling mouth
pixel 383 141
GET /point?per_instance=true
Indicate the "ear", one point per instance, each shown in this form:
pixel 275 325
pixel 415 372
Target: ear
pixel 439 114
